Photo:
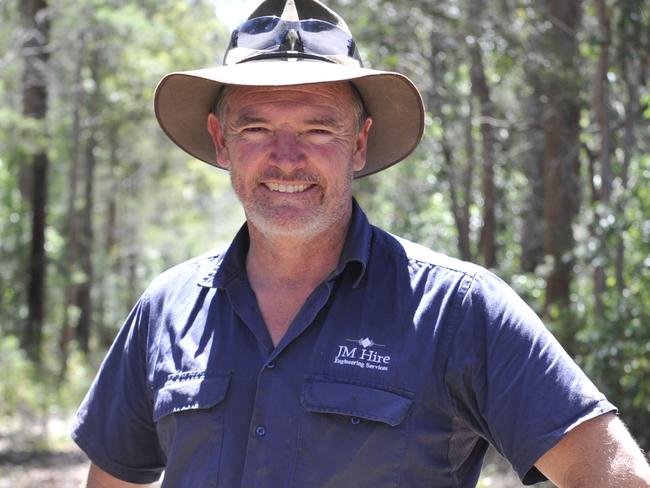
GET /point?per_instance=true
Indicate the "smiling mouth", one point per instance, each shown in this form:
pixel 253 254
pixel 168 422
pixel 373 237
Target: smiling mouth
pixel 285 188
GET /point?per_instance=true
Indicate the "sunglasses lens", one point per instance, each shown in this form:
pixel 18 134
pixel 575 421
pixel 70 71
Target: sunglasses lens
pixel 269 33
pixel 257 33
pixel 318 26
pixel 323 38
pixel 261 25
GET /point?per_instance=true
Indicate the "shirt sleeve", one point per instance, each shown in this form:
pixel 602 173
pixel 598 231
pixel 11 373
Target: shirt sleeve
pixel 511 381
pixel 114 424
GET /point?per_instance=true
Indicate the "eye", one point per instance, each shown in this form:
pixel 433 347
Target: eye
pixel 319 134
pixel 255 132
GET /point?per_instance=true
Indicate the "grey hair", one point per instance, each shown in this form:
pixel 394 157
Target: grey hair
pixel 358 107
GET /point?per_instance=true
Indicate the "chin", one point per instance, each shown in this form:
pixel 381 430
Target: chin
pixel 297 223
pixel 303 230
pixel 293 226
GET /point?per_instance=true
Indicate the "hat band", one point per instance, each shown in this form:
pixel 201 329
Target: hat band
pixel 274 35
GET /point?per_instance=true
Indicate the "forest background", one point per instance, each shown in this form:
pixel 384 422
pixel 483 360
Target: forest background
pixel 535 163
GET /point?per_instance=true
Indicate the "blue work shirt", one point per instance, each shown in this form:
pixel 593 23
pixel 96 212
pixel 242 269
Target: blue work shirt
pixel 397 371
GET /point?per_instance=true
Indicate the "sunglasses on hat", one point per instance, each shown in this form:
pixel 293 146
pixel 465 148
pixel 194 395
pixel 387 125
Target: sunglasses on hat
pixel 272 36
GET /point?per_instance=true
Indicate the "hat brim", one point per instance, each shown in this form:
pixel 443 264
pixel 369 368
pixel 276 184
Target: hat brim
pixel 183 100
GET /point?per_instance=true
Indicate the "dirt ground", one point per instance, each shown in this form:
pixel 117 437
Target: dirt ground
pixel 27 460
pixel 46 468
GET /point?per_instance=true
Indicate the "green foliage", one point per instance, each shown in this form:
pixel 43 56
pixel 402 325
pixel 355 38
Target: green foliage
pixel 15 393
pixel 615 347
pixel 13 236
pixel 30 392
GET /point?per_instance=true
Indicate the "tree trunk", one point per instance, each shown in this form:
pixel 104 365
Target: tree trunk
pixel 634 66
pixel 36 23
pixel 561 147
pixel 532 236
pixel 481 91
pixel 71 311
pixel 467 181
pixel 459 186
pixel 604 193
pixel 84 324
pixel 111 266
pixel 632 76
pixel 601 101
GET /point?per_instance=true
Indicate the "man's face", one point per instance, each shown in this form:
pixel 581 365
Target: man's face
pixel 292 152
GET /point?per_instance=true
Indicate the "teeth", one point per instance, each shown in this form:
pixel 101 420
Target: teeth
pixel 287 188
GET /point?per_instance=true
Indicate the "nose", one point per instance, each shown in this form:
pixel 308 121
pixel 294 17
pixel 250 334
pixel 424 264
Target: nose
pixel 287 150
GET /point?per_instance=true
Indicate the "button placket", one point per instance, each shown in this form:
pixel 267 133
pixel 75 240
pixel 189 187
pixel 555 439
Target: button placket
pixel 272 388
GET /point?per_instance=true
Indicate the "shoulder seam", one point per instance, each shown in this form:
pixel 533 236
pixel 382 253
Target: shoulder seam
pixel 401 252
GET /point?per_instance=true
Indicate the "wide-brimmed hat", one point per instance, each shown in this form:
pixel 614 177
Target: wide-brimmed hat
pixel 285 43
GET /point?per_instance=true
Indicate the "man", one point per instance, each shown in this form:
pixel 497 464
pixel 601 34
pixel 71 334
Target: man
pixel 319 351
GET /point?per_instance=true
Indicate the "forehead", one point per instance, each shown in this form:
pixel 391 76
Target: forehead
pixel 337 97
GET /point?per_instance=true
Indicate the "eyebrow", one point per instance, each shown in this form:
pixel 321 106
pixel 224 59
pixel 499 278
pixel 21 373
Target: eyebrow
pixel 248 120
pixel 325 122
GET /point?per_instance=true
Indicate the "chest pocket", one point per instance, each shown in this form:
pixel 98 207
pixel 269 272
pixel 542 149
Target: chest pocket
pixel 350 435
pixel 189 416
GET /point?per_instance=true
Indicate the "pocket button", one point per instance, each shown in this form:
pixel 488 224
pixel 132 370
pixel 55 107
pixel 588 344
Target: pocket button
pixel 355 420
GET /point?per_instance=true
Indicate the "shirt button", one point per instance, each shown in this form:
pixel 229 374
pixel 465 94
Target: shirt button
pixel 271 365
pixel 355 420
pixel 260 431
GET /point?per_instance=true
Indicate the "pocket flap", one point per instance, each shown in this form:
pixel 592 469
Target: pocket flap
pixel 190 391
pixel 355 400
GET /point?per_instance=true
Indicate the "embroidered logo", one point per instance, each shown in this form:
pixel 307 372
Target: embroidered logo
pixel 365 356
pixel 365 342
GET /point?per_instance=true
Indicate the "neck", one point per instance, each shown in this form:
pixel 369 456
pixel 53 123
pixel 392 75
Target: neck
pixel 294 261
pixel 283 270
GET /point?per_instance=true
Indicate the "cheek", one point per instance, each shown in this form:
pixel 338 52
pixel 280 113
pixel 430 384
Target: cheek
pixel 250 151
pixel 243 158
pixel 335 151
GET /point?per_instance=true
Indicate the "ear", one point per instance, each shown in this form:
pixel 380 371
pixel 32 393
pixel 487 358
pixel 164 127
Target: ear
pixel 361 146
pixel 216 132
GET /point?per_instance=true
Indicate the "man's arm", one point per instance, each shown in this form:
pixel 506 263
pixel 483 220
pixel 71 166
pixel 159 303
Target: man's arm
pixel 600 453
pixel 98 478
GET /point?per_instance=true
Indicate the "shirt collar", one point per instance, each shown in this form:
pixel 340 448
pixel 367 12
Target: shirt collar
pixel 220 270
pixel 356 249
pixel 217 271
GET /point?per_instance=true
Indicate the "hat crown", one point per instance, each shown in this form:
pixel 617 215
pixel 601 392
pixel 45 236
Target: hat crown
pixel 290 11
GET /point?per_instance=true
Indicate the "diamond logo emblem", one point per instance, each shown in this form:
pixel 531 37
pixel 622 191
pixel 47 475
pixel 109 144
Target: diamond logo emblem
pixel 366 342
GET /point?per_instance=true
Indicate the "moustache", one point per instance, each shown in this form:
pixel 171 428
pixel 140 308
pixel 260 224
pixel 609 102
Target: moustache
pixel 289 177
